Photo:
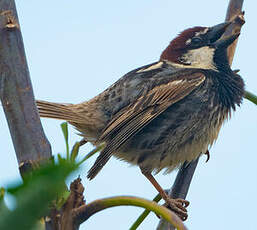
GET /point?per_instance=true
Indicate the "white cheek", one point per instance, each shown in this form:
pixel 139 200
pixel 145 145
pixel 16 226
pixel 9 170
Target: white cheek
pixel 201 58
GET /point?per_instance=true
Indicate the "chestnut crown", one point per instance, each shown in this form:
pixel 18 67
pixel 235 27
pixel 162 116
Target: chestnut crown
pixel 196 47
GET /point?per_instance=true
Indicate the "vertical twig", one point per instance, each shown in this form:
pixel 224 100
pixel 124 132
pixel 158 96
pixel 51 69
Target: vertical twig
pixel 234 9
pixel 16 92
pixel 182 183
pixel 180 188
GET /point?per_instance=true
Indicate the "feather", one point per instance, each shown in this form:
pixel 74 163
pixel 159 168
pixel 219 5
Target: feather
pixel 135 117
pixel 59 111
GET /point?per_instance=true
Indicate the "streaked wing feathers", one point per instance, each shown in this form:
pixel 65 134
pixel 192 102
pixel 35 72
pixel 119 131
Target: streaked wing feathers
pixel 144 110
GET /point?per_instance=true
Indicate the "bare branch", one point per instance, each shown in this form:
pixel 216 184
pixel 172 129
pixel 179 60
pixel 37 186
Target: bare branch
pixel 180 187
pixel 16 94
pixel 235 27
pixel 75 200
pixel 16 91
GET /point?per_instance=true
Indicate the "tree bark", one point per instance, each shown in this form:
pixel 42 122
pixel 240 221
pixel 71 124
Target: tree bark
pixel 16 93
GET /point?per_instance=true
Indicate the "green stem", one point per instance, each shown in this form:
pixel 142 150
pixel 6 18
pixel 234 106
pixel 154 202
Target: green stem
pixel 82 213
pixel 144 214
pixel 251 97
pixel 91 153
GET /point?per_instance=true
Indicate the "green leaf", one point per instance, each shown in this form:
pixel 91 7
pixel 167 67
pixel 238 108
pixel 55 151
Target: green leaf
pixel 3 207
pixel 59 157
pixel 34 196
pixel 61 200
pixel 75 151
pixel 64 127
pixel 2 192
pixel 40 225
pixel 91 153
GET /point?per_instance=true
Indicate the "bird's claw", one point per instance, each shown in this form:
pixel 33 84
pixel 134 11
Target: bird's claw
pixel 208 156
pixel 178 206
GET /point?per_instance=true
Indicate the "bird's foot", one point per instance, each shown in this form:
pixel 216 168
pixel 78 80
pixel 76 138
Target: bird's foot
pixel 178 206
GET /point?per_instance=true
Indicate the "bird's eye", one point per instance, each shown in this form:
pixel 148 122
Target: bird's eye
pixel 196 40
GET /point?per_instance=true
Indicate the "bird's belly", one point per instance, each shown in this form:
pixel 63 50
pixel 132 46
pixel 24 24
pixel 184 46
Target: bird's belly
pixel 165 143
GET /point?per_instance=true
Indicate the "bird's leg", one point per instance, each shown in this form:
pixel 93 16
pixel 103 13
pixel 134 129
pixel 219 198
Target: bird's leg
pixel 176 205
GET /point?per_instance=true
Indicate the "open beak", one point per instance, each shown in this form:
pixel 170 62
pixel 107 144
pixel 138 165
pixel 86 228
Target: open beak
pixel 217 31
pixel 215 34
pixel 223 43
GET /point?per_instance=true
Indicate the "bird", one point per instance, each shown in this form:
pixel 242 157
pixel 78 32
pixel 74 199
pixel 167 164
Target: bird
pixel 163 114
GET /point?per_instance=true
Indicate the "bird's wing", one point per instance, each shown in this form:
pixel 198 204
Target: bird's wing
pixel 134 117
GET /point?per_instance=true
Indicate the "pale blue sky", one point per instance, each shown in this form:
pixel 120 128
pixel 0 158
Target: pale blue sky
pixel 76 49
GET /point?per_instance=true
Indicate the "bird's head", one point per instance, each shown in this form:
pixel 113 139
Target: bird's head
pixel 200 47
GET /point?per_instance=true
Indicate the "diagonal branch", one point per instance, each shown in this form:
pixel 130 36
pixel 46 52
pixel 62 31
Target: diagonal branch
pixel 180 188
pixel 16 92
pixel 185 174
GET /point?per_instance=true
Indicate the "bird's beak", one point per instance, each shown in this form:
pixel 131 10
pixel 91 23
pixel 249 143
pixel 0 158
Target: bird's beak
pixel 217 31
pixel 223 43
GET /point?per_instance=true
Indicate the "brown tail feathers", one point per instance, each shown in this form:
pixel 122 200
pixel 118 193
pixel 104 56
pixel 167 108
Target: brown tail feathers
pixel 99 164
pixel 70 113
pixel 58 111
